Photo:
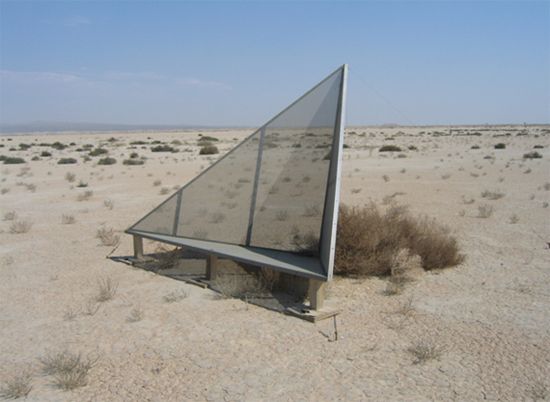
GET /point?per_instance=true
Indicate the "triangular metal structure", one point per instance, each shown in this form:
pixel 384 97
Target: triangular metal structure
pixel 273 199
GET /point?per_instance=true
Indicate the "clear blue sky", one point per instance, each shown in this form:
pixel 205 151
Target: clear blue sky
pixel 239 63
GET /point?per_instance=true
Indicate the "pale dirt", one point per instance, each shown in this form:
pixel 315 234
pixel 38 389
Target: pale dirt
pixel 490 316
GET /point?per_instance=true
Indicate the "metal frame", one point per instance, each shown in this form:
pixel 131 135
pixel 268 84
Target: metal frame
pixel 330 211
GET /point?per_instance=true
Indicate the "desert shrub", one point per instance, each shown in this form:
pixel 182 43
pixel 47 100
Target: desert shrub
pixel 134 155
pixel 98 151
pixel 538 146
pixel 70 370
pixel 500 145
pixel 45 154
pixel 106 161
pixel 67 219
pixel 474 147
pixel 22 226
pixel 12 160
pixel 176 296
pixel 82 184
pixel 17 386
pixel 10 216
pixel 208 138
pixel 389 148
pixel 423 351
pixel 485 211
pixel 58 145
pixel 86 195
pixel 106 290
pixel 368 241
pixel 108 236
pixel 70 177
pixel 412 148
pixel 528 155
pixel 208 150
pixel 492 195
pixel 135 315
pixel 139 143
pixel 163 148
pixel 66 161
pixel 133 162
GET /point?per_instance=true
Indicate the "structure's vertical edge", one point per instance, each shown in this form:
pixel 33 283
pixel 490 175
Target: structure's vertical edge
pixel 255 187
pixel 177 214
pixel 330 219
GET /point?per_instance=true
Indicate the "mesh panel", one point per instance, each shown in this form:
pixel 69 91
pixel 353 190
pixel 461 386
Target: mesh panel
pixel 216 206
pixel 276 204
pixel 161 220
pixel 294 171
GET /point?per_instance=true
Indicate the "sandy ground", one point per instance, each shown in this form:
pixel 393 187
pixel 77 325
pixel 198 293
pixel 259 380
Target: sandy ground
pixel 488 317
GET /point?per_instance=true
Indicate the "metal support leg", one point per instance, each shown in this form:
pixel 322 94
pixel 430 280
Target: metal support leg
pixel 211 267
pixel 316 293
pixel 138 247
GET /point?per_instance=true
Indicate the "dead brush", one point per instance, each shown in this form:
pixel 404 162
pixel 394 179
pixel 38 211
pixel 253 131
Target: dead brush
pixel 67 219
pixel 20 226
pixel 108 237
pixel 368 241
pixel 166 258
pixel 18 386
pixel 239 286
pixel 423 351
pixel 106 290
pixel 69 370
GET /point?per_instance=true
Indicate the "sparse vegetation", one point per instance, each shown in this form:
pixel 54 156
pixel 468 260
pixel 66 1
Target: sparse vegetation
pixel 500 145
pixel 485 211
pixel 389 148
pixel 176 296
pixel 86 195
pixel 67 161
pixel 70 177
pixel 98 151
pixel 18 386
pixel 10 216
pixel 67 219
pixel 492 195
pixel 208 150
pixel 133 162
pixel 106 290
pixel 69 370
pixel 108 237
pixel 9 160
pixel 423 351
pixel 106 161
pixel 163 148
pixel 135 315
pixel 528 155
pixel 20 226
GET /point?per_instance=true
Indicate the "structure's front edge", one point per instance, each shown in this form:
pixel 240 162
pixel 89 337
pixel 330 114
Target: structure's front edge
pixel 330 220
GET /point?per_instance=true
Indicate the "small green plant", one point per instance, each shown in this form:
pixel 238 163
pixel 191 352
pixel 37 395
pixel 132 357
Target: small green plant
pixel 67 161
pixel 209 150
pixel 98 151
pixel 106 161
pixel 163 148
pixel 133 162
pixel 9 160
pixel 528 155
pixel 389 148
pixel 500 145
